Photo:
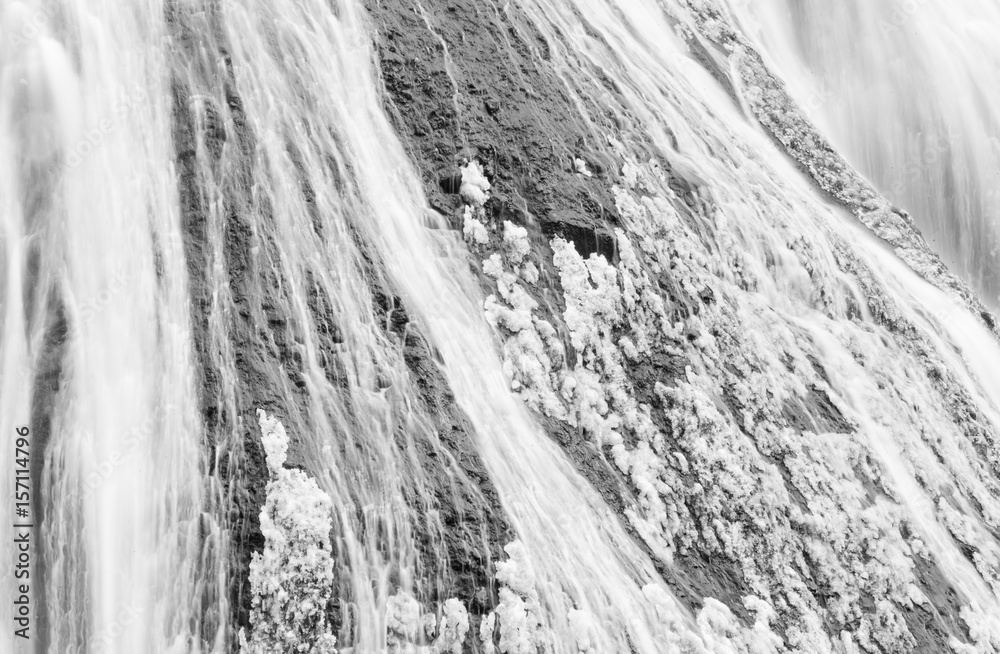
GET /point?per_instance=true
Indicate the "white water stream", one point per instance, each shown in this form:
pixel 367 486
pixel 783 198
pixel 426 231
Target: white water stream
pixel 91 238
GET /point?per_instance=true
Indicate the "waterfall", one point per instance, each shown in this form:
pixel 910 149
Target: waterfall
pixel 97 340
pixel 305 75
pixel 721 416
pixel 906 91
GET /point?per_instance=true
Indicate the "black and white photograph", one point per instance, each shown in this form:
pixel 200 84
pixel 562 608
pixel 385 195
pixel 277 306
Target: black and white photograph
pixel 500 326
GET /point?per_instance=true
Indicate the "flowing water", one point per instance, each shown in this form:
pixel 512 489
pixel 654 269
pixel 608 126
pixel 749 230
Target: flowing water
pixel 92 251
pixel 907 90
pixel 673 98
pixel 97 350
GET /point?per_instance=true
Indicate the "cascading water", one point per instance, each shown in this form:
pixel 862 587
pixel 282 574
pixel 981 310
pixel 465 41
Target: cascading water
pixel 96 338
pixel 305 77
pixel 207 211
pixel 907 91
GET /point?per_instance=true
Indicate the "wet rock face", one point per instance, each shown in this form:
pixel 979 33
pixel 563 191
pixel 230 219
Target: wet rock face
pixel 266 366
pixel 471 514
pixel 488 96
pixel 242 469
pixel 550 173
pixel 512 114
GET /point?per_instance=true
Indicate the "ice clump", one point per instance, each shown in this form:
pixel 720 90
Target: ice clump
pixel 473 229
pixel 292 579
pixel 475 188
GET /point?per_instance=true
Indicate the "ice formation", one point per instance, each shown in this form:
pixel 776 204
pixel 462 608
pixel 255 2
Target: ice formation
pixel 473 229
pixel 409 628
pixel 452 628
pixel 475 188
pixel 517 619
pixel 292 579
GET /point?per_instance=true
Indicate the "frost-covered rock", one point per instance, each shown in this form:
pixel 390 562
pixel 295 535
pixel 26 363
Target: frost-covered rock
pixel 452 628
pixel 403 622
pixel 475 188
pixel 292 578
pixel 984 629
pixel 515 239
pixel 714 463
pixel 474 230
pixel 532 350
pixel 409 629
pixel 723 634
